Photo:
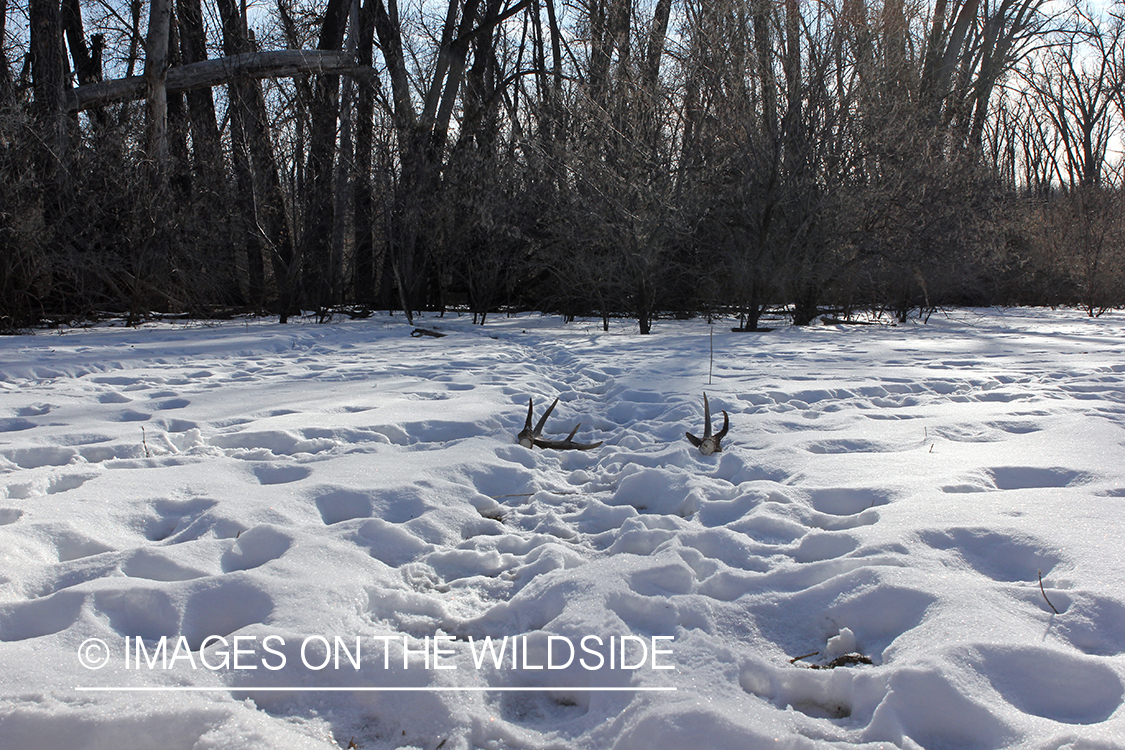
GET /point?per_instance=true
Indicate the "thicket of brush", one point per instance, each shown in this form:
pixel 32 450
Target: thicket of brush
pixel 611 157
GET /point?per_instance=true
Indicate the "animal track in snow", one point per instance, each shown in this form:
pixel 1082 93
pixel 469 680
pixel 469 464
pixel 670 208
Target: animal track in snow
pixel 66 575
pixel 178 425
pixel 71 544
pixel 47 455
pixel 47 485
pixel 1092 623
pixel 67 482
pixel 824 546
pixel 23 620
pixel 844 501
pixel 280 473
pixel 1018 478
pixel 15 425
pixel 966 433
pixel 834 522
pixel 663 580
pixel 155 565
pixel 773 526
pixel 255 547
pixel 843 445
pixel 924 700
pixel 270 443
pixel 176 518
pixel 209 611
pixel 1007 556
pixel 1024 477
pixel 1053 684
pixel 117 380
pixel 392 544
pixel 172 403
pixel 544 709
pixel 39 486
pixel 879 616
pixel 131 415
pixel 340 505
pixel 1016 426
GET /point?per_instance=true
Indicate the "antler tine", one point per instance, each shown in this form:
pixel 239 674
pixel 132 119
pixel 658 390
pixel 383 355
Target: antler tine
pixel 543 419
pixel 569 443
pixel 706 417
pixel 526 436
pixel 723 432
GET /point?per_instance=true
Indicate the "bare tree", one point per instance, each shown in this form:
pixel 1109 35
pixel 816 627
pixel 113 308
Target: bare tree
pixel 1071 84
pixel 610 156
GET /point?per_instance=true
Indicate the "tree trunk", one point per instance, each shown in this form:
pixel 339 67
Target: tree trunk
pixel 793 126
pixel 601 50
pixel 478 101
pixel 211 181
pixel 656 42
pixel 556 133
pixel 262 206
pixel 7 90
pixel 182 174
pixel 316 238
pixel 49 84
pixel 363 281
pixel 156 70
pixel 763 45
pixel 410 135
pixel 205 137
pixel 84 63
pixel 944 49
pixel 344 194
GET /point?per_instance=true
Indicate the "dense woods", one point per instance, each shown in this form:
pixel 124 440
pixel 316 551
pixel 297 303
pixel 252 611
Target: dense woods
pixel 588 157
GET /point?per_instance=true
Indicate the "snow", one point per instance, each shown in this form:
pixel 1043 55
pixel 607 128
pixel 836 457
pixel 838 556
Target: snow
pixel 264 499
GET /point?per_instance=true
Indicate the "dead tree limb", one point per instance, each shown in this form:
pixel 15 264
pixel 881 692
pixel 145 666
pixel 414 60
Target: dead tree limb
pixel 208 73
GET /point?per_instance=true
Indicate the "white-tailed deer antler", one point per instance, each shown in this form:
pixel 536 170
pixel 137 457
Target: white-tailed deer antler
pixel 529 437
pixel 709 443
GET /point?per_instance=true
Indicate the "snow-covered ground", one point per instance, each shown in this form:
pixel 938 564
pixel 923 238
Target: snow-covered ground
pixel 262 492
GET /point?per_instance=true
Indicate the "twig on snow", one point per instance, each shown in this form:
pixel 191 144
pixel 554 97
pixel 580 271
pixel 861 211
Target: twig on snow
pixel 1044 592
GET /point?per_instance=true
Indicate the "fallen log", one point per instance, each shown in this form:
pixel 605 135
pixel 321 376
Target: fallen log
pixel 274 64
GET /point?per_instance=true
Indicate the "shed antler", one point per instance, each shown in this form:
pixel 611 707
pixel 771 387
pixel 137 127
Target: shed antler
pixel 529 437
pixel 709 443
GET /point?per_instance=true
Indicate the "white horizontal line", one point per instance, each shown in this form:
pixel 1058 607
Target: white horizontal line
pixel 471 689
